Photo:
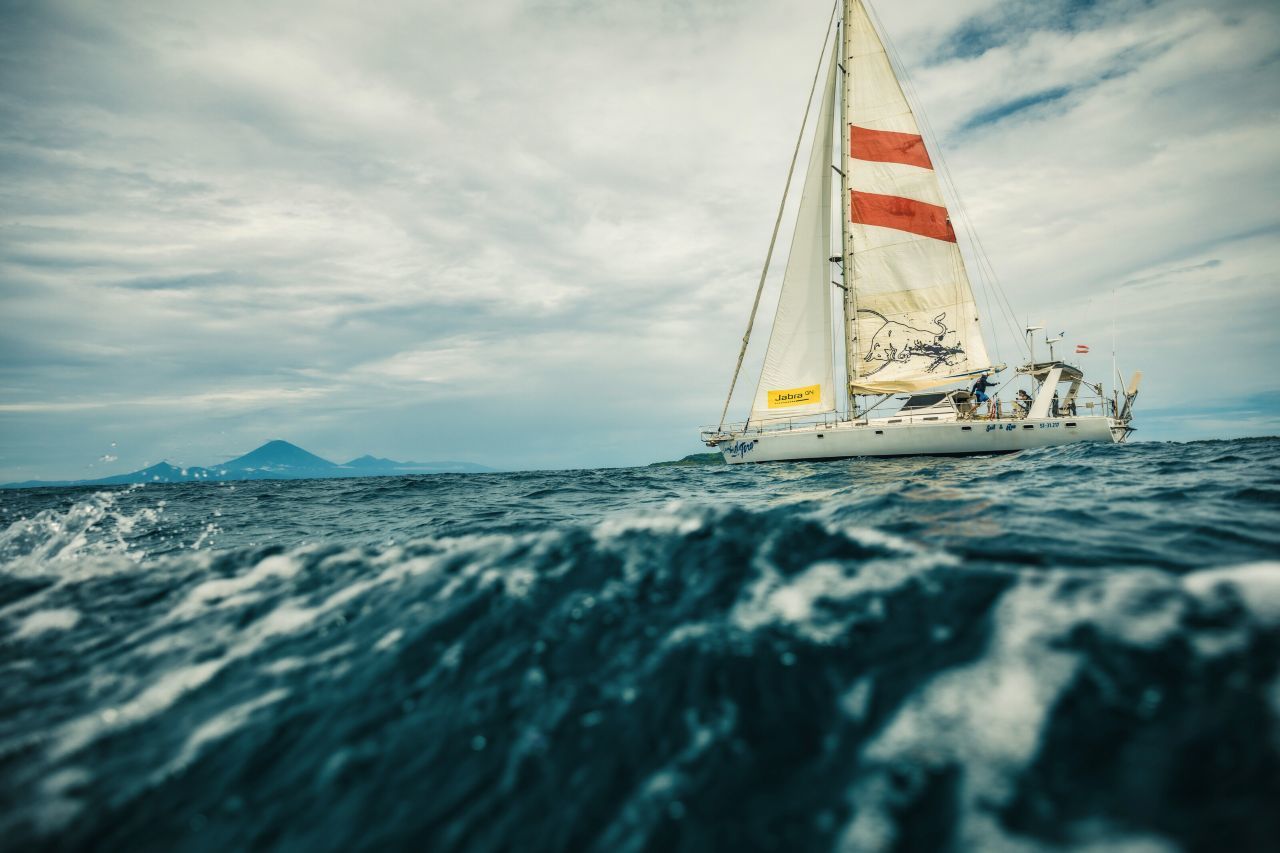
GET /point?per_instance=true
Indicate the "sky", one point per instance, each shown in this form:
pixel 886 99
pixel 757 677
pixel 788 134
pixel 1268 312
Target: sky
pixel 527 233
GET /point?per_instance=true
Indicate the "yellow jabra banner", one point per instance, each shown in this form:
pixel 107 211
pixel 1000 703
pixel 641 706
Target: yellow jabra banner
pixel 795 397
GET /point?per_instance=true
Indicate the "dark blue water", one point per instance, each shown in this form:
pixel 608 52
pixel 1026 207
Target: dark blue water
pixel 1075 648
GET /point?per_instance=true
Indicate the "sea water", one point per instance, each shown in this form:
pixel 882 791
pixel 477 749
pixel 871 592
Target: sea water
pixel 1071 648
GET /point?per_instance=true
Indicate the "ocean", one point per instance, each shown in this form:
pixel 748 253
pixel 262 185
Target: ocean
pixel 1064 649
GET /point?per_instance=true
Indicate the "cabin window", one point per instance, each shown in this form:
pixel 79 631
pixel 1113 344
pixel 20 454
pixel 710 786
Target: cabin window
pixel 1028 426
pixel 1071 423
pixel 895 420
pixel 923 401
pixel 819 435
pixel 965 429
pixel 879 432
pixel 930 418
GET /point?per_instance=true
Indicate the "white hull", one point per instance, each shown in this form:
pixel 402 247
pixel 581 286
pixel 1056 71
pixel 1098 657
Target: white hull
pixel 954 437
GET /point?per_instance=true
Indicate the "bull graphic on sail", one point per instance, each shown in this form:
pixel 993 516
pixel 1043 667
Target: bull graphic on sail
pixel 911 342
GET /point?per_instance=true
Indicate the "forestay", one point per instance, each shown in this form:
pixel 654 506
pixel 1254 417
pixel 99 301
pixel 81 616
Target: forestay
pixel 798 376
pixel 916 324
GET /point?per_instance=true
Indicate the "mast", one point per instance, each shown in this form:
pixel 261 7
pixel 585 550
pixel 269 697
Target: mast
pixel 846 199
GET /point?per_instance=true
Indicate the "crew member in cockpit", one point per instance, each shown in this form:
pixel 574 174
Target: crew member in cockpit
pixel 980 388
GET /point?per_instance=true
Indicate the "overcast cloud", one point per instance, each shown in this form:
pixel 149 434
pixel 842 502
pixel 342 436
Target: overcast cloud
pixel 527 234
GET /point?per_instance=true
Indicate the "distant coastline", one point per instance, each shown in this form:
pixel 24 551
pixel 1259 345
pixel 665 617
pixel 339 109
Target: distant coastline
pixel 275 460
pixel 691 460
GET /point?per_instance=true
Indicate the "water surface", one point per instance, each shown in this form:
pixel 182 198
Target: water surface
pixel 1072 648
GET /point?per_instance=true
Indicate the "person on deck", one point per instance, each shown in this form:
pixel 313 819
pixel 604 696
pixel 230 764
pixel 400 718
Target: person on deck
pixel 1023 402
pixel 980 387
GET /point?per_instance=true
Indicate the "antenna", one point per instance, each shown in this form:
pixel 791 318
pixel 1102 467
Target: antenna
pixel 1051 342
pixel 1030 332
pixel 1114 369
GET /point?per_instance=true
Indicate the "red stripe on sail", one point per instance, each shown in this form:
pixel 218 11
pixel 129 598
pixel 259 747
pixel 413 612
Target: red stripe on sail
pixel 904 214
pixel 885 146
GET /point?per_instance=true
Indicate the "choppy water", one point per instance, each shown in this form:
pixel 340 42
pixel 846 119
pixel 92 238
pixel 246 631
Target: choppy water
pixel 1076 648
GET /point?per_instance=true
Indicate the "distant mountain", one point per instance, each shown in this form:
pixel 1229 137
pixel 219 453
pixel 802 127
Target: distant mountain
pixel 275 460
pixel 372 463
pixel 162 472
pixel 368 461
pixel 279 457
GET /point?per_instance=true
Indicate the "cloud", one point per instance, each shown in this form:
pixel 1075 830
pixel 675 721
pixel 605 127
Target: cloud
pixel 233 400
pixel 991 115
pixel 1163 276
pixel 406 228
pixel 1015 22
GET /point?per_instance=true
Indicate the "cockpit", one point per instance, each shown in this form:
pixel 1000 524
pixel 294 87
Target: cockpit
pixel 932 406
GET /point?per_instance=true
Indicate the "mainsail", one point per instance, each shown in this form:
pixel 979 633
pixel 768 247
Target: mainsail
pixel 798 376
pixel 914 323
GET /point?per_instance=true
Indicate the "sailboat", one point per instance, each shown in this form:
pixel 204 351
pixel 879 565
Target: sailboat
pixel 911 329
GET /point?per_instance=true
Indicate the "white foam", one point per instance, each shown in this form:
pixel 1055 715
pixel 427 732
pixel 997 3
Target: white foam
pixel 58 805
pixel 388 640
pixel 349 592
pixel 230 592
pixel 452 656
pixel 856 701
pixel 218 727
pixel 285 619
pixel 1258 585
pixel 1139 608
pixel 793 601
pixel 283 666
pixel 53 542
pixel 673 518
pixel 987 714
pixel 166 690
pixel 519 581
pixel 42 621
pixel 154 699
pixel 688 632
pixel 988 717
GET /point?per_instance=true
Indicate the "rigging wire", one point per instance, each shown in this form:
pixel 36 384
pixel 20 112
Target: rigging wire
pixel 786 190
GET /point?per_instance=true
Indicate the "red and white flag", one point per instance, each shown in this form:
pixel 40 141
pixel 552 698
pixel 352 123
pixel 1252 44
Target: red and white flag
pixel 1081 349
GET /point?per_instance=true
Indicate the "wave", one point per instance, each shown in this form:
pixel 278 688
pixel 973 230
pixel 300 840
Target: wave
pixel 783 675
pixel 53 540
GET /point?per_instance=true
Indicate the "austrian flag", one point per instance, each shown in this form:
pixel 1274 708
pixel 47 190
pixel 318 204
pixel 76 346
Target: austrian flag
pixel 1081 349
